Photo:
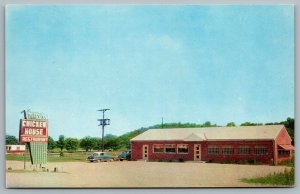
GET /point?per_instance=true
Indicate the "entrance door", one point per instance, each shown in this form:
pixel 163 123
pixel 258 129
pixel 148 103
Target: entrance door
pixel 145 152
pixel 197 152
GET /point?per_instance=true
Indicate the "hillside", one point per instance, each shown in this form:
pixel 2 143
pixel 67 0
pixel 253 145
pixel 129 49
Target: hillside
pixel 125 139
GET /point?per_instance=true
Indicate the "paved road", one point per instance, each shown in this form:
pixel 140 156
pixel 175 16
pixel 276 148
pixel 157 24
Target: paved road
pixel 135 174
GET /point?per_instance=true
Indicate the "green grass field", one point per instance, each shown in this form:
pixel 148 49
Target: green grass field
pixel 55 157
pixel 287 178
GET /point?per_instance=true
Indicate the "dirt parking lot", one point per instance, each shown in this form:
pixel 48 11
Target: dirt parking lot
pixel 134 174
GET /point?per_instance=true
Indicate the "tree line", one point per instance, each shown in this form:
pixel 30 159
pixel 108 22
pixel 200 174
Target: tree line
pixel 88 143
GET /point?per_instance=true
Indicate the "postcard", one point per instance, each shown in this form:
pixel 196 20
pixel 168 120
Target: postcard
pixel 149 96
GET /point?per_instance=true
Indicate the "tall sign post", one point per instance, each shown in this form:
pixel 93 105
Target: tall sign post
pixel 34 133
pixel 24 155
pixel 103 122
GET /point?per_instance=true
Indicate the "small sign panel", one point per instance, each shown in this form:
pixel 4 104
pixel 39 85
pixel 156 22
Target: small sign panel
pixel 33 130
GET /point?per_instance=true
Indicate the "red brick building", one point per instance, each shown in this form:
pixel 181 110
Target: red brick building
pixel 260 144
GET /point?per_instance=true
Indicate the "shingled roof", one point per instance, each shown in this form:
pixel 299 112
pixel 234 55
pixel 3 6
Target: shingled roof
pixel 262 132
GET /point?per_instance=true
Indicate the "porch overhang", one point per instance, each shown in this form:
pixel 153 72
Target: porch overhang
pixel 286 147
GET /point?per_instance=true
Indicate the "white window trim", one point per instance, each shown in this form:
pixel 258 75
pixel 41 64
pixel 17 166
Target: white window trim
pixel 158 152
pixel 182 152
pixel 170 152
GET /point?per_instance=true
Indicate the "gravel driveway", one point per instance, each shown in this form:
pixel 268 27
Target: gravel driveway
pixel 134 174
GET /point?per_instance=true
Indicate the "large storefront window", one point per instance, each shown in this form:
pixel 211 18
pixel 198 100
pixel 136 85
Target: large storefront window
pixel 158 148
pixel 212 149
pixel 170 148
pixel 182 148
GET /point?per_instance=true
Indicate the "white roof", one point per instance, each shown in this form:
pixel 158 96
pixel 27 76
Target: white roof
pixel 211 133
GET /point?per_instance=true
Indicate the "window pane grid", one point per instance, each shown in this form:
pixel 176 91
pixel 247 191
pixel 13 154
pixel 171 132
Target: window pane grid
pixel 243 150
pixel 213 150
pixel 260 150
pixel 227 150
pixel 284 152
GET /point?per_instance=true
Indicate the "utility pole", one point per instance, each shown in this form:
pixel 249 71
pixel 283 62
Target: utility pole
pixel 103 122
pixel 162 122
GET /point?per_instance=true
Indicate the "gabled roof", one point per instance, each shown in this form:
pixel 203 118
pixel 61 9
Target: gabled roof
pixel 195 137
pixel 261 132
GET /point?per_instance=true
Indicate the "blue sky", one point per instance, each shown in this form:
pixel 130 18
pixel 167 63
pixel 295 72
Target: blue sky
pixel 183 63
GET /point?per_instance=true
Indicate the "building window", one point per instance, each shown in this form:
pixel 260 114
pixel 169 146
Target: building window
pixel 260 150
pixel 213 149
pixel 158 148
pixel 227 150
pixel 283 152
pixel 244 150
pixel 170 148
pixel 182 148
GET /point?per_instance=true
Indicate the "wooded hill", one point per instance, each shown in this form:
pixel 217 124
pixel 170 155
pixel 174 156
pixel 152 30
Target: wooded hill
pixel 123 142
pixel 289 124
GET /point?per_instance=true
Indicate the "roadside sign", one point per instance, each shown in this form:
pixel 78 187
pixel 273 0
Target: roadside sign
pixel 33 130
pixel 38 152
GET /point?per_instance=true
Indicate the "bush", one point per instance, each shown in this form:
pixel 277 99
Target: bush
pixel 290 163
pixel 181 160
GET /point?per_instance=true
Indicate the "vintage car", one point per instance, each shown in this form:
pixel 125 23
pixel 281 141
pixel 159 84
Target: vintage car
pixel 101 157
pixel 126 155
